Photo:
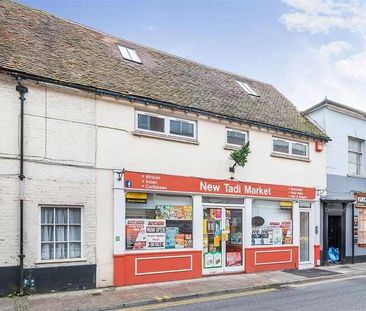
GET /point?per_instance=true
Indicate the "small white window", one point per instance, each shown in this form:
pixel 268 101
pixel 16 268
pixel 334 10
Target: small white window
pixel 247 88
pixel 60 233
pixel 355 147
pixel 168 126
pixel 289 147
pixel 235 137
pixel 129 54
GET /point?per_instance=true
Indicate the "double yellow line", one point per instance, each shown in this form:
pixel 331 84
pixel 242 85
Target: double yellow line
pixel 163 304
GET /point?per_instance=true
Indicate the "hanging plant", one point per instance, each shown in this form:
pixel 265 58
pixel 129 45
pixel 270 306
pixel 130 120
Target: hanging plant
pixel 240 157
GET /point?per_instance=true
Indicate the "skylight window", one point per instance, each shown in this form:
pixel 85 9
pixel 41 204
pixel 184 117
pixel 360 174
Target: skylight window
pixel 247 88
pixel 129 54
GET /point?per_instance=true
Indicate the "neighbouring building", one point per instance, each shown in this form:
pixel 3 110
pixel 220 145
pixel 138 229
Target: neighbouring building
pixel 343 213
pixel 116 171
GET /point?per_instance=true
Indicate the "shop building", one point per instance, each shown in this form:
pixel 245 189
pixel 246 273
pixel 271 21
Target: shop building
pixel 343 204
pixel 126 157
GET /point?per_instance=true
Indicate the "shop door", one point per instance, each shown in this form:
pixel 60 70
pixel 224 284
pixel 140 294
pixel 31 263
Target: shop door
pixel 304 237
pixel 222 240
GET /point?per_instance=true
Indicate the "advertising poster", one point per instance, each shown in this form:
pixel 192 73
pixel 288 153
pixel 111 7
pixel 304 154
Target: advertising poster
pixel 286 227
pixel 155 233
pixel 209 260
pixel 233 259
pixel 174 212
pixel 217 260
pixel 171 232
pixel 135 234
pixel 276 232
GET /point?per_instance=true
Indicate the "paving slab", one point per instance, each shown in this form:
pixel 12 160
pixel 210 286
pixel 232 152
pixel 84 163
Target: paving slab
pixel 127 296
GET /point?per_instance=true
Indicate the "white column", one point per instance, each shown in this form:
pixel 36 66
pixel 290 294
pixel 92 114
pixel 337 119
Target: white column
pixel 296 223
pixel 316 206
pixel 119 213
pixel 248 222
pixel 197 222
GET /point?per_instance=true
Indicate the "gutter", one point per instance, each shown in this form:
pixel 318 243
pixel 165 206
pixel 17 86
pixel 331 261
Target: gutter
pixel 22 90
pixel 151 101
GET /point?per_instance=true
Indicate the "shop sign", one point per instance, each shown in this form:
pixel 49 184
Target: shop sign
pixel 136 197
pixel 167 183
pixel 361 200
pixel 286 204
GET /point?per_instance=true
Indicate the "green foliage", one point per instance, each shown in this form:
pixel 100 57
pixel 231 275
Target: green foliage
pixel 240 157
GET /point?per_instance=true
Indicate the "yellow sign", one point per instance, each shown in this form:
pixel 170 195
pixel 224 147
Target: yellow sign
pixel 136 197
pixel 286 204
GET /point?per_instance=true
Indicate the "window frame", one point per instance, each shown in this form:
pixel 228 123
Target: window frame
pixel 290 153
pixel 166 132
pixel 68 259
pixel 360 153
pixel 227 129
pixel 132 58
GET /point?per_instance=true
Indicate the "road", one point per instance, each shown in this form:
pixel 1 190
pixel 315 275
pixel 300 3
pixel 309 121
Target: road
pixel 347 294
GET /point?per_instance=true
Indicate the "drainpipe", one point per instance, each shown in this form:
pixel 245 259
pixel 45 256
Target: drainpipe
pixel 22 90
pixel 353 232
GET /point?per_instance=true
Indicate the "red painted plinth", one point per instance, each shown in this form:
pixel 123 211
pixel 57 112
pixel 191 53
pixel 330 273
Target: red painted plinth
pixel 316 255
pixel 141 268
pixel 271 258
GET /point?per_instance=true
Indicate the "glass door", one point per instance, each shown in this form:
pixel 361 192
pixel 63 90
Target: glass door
pixel 222 239
pixel 233 237
pixel 304 237
pixel 212 242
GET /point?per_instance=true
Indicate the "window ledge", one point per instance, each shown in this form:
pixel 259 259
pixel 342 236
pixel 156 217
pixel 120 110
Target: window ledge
pixel 60 261
pixel 165 137
pixel 356 176
pixel 232 148
pixel 289 157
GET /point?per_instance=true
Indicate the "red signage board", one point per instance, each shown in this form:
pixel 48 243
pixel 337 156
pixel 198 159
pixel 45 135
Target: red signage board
pixel 172 183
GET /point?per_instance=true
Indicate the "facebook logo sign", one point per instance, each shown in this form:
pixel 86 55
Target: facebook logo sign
pixel 128 183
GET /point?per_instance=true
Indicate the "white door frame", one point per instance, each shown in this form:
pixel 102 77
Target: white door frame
pixel 310 263
pixel 223 268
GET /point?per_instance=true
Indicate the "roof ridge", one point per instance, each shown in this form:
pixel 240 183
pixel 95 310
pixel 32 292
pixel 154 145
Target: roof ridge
pixel 139 44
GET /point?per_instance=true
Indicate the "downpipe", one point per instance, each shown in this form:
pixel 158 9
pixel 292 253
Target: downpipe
pixel 22 90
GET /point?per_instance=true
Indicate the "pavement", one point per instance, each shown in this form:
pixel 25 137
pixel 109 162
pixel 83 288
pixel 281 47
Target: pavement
pixel 137 295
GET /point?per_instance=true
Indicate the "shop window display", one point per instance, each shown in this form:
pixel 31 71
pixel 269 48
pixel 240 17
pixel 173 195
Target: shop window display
pixel 155 221
pixel 275 227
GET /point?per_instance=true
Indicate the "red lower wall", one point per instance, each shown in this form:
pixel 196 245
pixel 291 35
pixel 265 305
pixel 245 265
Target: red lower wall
pixel 316 255
pixel 271 258
pixel 144 268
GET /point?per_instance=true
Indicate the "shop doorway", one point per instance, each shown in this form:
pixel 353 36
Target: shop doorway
pixel 334 232
pixel 222 240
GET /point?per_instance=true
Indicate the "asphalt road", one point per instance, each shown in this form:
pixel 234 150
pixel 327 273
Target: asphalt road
pixel 347 294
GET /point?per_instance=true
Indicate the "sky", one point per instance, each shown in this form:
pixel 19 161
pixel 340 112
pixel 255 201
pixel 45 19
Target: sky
pixel 308 49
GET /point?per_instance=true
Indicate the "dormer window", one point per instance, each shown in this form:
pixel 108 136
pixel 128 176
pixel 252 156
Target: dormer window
pixel 129 54
pixel 247 88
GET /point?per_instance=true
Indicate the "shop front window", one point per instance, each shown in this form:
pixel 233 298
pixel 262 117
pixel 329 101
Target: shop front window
pixel 155 221
pixel 271 223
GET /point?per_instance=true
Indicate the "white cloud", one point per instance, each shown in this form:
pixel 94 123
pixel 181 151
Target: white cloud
pixel 353 67
pixel 333 48
pixel 336 69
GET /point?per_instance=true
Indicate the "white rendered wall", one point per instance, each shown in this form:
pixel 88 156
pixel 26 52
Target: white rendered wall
pixel 74 142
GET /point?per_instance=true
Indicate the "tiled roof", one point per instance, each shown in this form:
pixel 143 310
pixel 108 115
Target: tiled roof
pixel 40 44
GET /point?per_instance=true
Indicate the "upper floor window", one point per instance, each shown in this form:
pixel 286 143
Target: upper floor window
pixel 235 137
pixel 60 233
pixel 355 147
pixel 290 147
pixel 169 126
pixel 129 54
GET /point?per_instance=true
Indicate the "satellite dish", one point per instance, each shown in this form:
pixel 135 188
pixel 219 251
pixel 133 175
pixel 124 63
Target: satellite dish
pixel 257 221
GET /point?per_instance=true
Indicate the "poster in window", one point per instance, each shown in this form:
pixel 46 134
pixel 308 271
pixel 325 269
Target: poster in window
pixel 286 227
pixel 209 260
pixel 217 259
pixel 276 232
pixel 233 259
pixel 155 233
pixel 174 212
pixel 135 234
pixel 171 232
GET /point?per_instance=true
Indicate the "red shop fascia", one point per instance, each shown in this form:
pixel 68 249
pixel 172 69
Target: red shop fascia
pixel 161 221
